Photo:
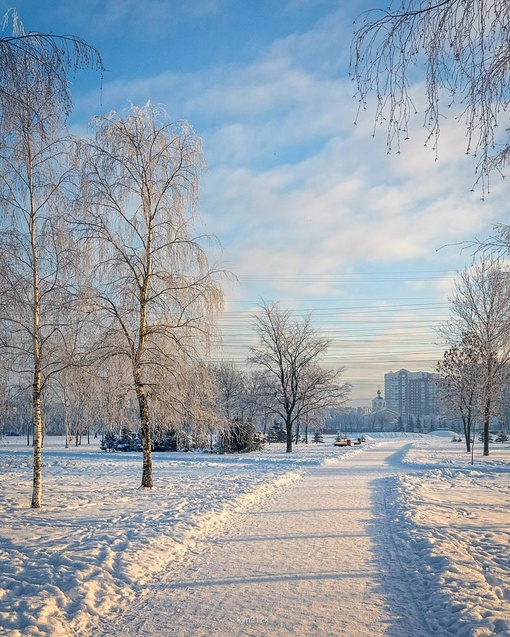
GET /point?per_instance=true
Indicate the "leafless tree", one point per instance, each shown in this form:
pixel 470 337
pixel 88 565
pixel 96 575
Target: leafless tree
pixel 85 401
pixel 35 101
pixel 289 352
pixel 109 392
pixel 230 385
pixel 238 400
pixel 460 387
pixel 379 420
pixel 253 407
pixel 37 267
pixel 37 260
pixel 323 389
pixel 155 294
pixel 463 47
pixel 50 59
pixel 185 403
pixel 480 311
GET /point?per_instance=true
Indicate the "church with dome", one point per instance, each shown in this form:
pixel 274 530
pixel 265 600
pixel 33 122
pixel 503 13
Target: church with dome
pixel 380 418
pixel 378 403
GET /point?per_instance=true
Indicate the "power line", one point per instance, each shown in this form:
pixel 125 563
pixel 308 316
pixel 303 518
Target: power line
pixel 370 335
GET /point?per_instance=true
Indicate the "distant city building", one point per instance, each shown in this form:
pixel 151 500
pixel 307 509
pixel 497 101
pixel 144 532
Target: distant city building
pixel 412 393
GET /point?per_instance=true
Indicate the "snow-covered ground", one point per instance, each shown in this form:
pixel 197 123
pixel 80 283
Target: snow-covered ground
pixel 452 526
pixel 100 543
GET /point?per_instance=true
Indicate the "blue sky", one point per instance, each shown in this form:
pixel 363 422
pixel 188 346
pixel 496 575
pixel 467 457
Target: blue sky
pixel 310 209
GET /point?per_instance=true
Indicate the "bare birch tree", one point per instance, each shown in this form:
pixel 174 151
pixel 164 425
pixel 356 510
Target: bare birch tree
pixel 155 294
pixel 185 404
pixel 112 396
pixel 289 352
pixel 50 58
pixel 230 386
pixel 38 259
pixel 480 311
pixel 35 100
pixel 253 406
pixel 462 45
pixel 231 405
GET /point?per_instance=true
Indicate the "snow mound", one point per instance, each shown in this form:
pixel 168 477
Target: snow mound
pixel 443 433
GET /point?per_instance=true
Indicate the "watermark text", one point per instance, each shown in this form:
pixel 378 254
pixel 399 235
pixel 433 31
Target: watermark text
pixel 252 619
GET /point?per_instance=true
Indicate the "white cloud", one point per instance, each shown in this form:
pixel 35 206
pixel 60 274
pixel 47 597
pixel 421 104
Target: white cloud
pixel 344 205
pixel 294 188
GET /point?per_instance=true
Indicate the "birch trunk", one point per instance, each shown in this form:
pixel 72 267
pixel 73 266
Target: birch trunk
pixel 36 314
pixel 37 424
pixel 141 394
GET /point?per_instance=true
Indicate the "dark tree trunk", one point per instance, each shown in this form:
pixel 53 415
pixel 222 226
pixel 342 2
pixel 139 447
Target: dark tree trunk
pixel 37 438
pixel 486 427
pixel 288 426
pixel 467 434
pixel 147 481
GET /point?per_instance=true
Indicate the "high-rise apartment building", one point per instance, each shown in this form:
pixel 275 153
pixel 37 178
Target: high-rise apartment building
pixel 412 393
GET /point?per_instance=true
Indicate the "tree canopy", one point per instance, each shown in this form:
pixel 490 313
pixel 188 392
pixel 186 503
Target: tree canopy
pixel 52 59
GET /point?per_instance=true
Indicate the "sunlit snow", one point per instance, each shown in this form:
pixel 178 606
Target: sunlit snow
pixel 436 527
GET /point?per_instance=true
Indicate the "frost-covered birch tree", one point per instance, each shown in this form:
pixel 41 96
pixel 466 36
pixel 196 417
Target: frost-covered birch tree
pixel 230 386
pixel 37 261
pixel 154 292
pixel 50 57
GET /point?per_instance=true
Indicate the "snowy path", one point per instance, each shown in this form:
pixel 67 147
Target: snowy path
pixel 319 559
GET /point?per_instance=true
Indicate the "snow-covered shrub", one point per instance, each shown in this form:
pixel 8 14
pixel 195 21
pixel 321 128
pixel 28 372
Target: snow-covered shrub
pixel 277 433
pixel 240 437
pixel 126 441
pixel 173 440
